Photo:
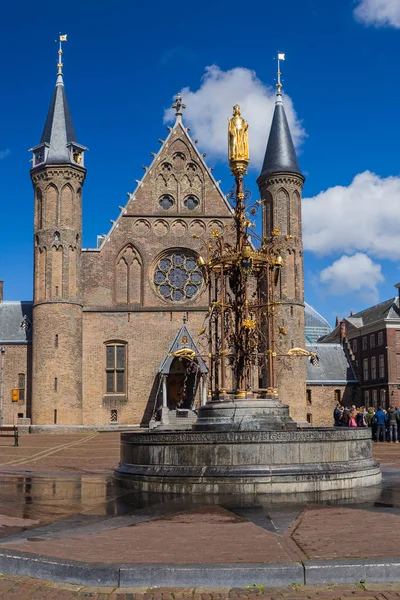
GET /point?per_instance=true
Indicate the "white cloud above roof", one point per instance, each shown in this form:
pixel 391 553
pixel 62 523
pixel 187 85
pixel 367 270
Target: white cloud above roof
pixel 360 217
pixel 209 107
pixel 349 274
pixel 380 13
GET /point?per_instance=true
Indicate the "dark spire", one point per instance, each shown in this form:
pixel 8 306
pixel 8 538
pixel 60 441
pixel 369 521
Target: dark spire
pixel 59 130
pixel 58 142
pixel 280 155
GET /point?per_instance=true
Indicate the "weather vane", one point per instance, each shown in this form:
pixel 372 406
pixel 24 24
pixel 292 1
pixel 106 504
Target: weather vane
pixel 62 38
pixel 281 56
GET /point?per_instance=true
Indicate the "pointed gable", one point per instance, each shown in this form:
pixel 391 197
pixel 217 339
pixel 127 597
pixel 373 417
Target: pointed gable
pixel 183 340
pixel 178 171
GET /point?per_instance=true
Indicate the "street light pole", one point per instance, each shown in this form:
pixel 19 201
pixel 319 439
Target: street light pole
pixel 3 357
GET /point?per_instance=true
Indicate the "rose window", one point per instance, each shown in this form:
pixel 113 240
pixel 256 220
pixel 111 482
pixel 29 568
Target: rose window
pixel 177 277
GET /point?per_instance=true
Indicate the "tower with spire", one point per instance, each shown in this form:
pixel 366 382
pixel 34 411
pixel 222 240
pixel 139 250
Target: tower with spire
pixel 281 183
pixel 57 175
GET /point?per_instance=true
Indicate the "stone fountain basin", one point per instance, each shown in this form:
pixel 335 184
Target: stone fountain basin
pixel 247 462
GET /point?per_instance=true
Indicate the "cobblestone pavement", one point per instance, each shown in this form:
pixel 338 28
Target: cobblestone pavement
pixel 13 587
pixel 59 453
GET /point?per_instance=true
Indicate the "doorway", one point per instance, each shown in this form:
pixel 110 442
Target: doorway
pixel 182 384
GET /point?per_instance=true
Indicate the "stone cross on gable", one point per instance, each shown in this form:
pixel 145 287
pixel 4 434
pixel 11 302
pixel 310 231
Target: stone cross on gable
pixel 178 105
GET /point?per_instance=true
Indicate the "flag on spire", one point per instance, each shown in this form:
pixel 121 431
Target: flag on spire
pixel 281 56
pixel 63 38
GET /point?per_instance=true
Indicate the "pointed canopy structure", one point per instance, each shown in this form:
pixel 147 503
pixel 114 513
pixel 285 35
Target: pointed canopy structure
pixel 183 340
pixel 280 155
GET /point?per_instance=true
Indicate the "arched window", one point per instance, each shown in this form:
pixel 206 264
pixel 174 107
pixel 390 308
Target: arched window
pixel 129 276
pixel 116 367
pixel 39 208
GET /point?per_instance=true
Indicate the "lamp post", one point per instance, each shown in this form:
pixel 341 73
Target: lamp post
pixel 3 356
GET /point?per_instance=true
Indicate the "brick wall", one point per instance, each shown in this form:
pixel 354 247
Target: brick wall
pixel 17 359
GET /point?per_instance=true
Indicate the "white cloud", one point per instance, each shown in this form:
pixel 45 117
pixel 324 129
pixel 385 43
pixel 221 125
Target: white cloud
pixel 353 274
pixel 381 13
pixel 209 107
pixel 363 216
pixel 4 153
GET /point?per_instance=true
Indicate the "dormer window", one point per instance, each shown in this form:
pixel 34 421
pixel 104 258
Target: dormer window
pixel 77 156
pixel 76 153
pixel 39 157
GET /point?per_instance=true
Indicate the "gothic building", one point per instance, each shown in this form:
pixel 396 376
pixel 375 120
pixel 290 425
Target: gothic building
pixel 95 345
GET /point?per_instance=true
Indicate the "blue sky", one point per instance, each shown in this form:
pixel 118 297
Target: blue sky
pixel 123 63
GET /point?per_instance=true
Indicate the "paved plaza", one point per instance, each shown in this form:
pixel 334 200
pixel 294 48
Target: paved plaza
pixel 59 504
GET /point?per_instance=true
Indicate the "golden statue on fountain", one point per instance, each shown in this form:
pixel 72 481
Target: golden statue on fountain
pixel 238 143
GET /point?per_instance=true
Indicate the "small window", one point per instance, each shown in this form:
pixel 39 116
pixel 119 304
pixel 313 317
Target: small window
pixel 55 384
pixel 365 369
pixel 20 415
pixel 308 396
pixel 338 396
pixel 382 398
pixel 56 341
pixel 380 338
pixel 21 387
pixel 191 202
pixel 365 343
pixel 114 416
pixel 366 398
pixel 309 418
pixel 39 198
pixel 381 366
pixel 372 340
pixel 166 202
pixel 354 346
pixel 375 399
pixel 115 368
pixel 55 416
pixel 373 368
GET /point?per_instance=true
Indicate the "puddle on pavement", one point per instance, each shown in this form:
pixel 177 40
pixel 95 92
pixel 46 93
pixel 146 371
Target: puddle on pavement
pixel 87 500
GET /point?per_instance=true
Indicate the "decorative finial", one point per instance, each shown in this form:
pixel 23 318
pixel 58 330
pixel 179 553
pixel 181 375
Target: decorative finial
pixel 179 106
pixel 63 38
pixel 279 84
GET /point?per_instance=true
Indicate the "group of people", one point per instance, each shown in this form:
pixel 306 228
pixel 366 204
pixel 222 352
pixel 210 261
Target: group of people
pixel 385 425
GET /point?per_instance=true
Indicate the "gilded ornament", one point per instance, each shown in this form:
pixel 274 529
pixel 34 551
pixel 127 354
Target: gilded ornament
pixel 238 142
pixel 248 323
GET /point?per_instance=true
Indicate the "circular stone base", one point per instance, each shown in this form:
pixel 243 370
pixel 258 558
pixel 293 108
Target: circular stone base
pixel 247 462
pixel 252 414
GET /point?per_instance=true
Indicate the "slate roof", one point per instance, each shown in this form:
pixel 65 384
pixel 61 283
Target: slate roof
pixel 183 339
pixel 59 129
pixel 389 309
pixel 280 155
pixel 333 366
pixel 15 322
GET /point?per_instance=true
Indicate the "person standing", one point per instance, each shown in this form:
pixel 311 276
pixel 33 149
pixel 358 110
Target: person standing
pixel 353 418
pixel 337 415
pixel 380 418
pixel 361 422
pixel 393 418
